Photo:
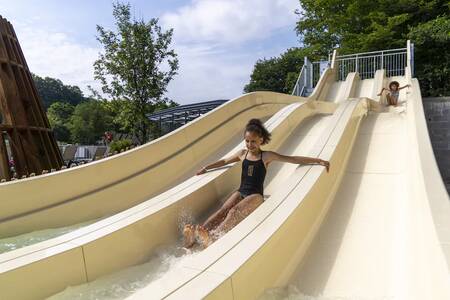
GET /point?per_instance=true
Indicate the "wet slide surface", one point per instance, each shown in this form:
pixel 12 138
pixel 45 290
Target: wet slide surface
pixel 170 257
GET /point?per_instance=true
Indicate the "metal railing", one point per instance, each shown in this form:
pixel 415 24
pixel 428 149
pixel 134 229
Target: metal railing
pixel 318 67
pixel 300 84
pixel 393 61
pixel 309 76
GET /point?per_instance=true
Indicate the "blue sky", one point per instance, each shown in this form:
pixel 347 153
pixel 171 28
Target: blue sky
pixel 217 41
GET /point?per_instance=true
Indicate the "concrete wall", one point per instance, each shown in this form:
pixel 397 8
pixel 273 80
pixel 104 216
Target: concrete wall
pixel 437 113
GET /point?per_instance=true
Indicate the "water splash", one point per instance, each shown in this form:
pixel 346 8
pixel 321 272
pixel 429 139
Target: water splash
pixel 186 216
pixel 291 292
pixel 126 282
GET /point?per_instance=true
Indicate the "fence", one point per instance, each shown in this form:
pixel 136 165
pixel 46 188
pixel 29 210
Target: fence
pixel 300 85
pixel 393 61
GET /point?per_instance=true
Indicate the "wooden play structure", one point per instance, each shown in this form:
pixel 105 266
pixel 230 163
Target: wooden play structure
pixel 27 143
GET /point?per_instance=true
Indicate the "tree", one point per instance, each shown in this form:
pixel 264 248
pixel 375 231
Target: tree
pixel 89 121
pixel 52 90
pixel 136 66
pixel 121 114
pixel 59 114
pixel 277 74
pixel 432 41
pixel 361 25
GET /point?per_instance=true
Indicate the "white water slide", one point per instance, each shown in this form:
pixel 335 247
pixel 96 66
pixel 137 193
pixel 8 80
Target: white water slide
pixel 377 226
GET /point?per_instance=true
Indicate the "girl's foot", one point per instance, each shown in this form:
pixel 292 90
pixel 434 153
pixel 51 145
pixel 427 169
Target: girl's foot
pixel 189 235
pixel 202 236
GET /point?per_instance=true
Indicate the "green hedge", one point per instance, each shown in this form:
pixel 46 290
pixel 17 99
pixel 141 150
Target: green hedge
pixel 119 145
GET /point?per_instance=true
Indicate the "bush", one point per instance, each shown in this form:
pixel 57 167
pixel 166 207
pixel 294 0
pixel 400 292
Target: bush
pixel 119 145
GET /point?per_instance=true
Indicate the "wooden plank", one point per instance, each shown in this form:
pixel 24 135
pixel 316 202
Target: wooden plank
pixel 4 162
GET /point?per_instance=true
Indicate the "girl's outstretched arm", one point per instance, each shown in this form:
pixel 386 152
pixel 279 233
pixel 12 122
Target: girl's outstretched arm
pixel 381 91
pixel 273 156
pixel 408 85
pixel 222 162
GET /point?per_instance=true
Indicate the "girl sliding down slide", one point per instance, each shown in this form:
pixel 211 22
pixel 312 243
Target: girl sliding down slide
pixel 250 193
pixel 393 92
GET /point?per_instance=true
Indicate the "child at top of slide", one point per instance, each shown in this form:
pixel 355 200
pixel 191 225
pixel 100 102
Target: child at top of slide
pixel 393 92
pixel 250 193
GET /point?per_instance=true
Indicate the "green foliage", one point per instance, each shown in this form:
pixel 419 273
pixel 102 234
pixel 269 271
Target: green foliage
pixel 119 145
pixel 121 112
pixel 53 90
pixel 277 74
pixel 432 41
pixel 59 114
pixel 136 67
pixel 367 25
pixel 266 76
pixel 89 121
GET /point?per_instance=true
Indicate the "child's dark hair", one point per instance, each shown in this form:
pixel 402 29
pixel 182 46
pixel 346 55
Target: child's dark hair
pixel 394 83
pixel 256 126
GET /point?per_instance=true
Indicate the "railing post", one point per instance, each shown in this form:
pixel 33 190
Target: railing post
pixel 382 60
pixel 333 63
pixel 410 56
pixel 305 79
pixel 412 60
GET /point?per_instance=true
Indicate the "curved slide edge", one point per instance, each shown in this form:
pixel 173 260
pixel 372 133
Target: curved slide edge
pixel 91 253
pixel 271 246
pixel 429 182
pixel 110 185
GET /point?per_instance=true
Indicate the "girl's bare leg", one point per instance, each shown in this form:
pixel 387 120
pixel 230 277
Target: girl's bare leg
pixel 239 212
pixel 394 101
pixel 215 219
pixel 389 99
pixel 235 215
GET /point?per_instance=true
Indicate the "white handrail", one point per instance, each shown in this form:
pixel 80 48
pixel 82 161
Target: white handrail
pixel 393 61
pixel 300 83
pixel 364 53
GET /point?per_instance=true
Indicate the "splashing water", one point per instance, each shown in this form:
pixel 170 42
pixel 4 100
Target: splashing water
pixel 291 292
pixel 126 282
pixel 16 242
pixel 185 217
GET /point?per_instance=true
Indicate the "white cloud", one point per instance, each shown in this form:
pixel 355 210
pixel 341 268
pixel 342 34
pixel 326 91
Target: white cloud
pixel 56 55
pixel 208 73
pixel 212 38
pixel 230 21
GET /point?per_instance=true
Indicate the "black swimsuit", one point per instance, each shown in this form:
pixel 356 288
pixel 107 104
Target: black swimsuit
pixel 252 178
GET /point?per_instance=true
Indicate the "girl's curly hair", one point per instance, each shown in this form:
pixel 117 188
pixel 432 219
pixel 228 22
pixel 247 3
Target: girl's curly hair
pixel 256 126
pixel 394 83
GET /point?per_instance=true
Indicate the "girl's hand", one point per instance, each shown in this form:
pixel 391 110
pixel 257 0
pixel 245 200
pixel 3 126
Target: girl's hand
pixel 325 163
pixel 379 94
pixel 201 171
